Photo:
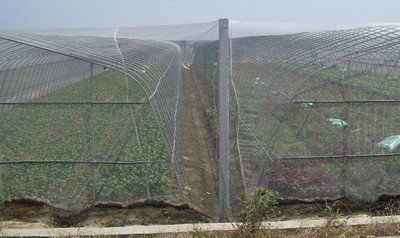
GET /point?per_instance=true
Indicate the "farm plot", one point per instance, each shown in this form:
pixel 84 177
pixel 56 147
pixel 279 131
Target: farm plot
pixel 39 133
pixel 308 148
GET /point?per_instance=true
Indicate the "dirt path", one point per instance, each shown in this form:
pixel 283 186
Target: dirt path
pixel 199 144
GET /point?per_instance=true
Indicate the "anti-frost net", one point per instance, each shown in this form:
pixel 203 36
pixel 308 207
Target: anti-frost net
pixel 317 114
pixel 93 115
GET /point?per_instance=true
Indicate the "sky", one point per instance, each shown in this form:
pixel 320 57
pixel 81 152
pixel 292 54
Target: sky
pixel 33 14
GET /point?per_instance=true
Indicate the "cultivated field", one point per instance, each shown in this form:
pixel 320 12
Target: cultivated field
pixel 81 133
pixel 291 109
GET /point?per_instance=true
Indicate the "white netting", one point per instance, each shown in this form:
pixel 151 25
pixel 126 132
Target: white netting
pixel 94 115
pixel 311 109
pixel 95 112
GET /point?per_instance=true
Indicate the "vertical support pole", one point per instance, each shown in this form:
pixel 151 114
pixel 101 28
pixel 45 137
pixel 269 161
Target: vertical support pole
pixel 223 151
pixel 93 129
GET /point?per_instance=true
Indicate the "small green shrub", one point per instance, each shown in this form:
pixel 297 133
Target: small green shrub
pixel 254 210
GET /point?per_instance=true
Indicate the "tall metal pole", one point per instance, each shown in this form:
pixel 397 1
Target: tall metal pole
pixel 223 151
pixel 93 129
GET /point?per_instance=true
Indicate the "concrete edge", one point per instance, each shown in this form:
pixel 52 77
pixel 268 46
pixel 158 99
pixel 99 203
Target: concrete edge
pixel 163 229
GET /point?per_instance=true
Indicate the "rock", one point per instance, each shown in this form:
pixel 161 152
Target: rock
pixel 188 188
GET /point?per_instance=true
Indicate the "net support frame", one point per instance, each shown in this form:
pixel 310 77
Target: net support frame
pixel 223 145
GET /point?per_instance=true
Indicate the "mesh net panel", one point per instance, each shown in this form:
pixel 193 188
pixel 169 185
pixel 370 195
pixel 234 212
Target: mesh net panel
pixel 92 115
pixel 311 110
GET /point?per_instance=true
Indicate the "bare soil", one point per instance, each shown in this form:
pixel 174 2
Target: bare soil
pixel 34 214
